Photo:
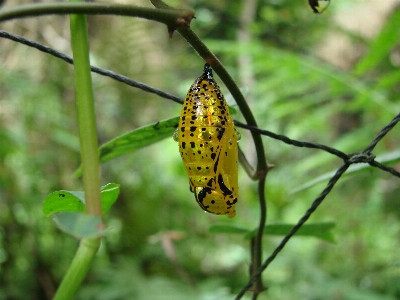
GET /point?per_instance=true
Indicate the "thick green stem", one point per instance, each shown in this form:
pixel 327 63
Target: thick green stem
pixel 77 271
pixel 86 115
pixel 89 155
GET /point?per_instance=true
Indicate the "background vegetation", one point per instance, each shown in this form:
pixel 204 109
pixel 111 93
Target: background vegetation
pixel 318 78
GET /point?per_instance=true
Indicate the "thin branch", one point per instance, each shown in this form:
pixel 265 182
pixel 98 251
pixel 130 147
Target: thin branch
pixel 244 61
pixel 172 18
pixel 256 254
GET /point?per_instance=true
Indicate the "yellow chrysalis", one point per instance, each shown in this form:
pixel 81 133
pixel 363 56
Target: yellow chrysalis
pixel 208 146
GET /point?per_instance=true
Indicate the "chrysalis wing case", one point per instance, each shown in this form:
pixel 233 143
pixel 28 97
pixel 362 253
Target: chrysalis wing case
pixel 208 145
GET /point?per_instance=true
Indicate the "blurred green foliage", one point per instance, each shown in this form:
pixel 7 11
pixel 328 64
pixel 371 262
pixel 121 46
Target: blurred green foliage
pixel 159 245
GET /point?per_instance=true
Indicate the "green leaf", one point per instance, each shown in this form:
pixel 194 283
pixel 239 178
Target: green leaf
pixel 74 201
pixel 383 43
pixel 136 139
pixel 79 225
pixel 109 194
pixel 321 230
pixel 62 201
pixel 387 158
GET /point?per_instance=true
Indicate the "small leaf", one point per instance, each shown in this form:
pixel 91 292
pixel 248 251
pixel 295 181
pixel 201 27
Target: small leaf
pixel 109 194
pixel 62 201
pixel 79 225
pixel 136 139
pixel 74 201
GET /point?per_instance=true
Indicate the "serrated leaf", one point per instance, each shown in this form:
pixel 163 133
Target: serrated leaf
pixel 387 158
pixel 79 225
pixel 74 201
pixel 136 139
pixel 321 230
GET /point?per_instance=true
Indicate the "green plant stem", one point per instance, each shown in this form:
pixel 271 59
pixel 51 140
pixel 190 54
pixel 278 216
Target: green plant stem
pixel 86 115
pixel 78 269
pixel 171 18
pixel 89 155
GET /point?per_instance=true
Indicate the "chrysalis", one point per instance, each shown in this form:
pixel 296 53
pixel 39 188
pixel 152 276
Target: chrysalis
pixel 208 146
